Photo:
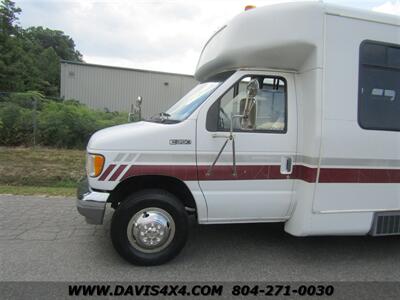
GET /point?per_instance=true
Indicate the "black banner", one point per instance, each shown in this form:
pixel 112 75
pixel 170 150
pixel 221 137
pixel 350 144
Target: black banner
pixel 200 290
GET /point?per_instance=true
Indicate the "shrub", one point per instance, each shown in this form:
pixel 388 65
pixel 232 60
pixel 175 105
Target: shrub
pixel 27 99
pixel 16 126
pixel 62 124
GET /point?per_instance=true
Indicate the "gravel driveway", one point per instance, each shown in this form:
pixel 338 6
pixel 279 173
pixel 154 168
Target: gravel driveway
pixel 46 239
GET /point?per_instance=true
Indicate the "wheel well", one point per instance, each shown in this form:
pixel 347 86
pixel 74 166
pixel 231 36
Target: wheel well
pixel 136 183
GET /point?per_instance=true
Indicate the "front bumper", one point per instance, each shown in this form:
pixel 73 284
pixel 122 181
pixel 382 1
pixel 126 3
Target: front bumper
pixel 91 204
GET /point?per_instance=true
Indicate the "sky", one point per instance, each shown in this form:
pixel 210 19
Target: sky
pixel 161 35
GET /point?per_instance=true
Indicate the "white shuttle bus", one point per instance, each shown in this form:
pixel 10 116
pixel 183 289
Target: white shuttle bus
pixel 296 119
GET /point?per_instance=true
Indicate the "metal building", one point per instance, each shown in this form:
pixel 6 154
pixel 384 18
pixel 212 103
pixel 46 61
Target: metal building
pixel 116 89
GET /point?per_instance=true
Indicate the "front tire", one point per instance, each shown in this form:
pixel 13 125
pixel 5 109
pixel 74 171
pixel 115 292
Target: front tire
pixel 150 227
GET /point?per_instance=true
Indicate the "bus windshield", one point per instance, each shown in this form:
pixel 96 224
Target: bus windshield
pixel 188 103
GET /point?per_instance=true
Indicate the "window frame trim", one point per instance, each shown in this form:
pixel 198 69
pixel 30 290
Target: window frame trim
pixel 284 131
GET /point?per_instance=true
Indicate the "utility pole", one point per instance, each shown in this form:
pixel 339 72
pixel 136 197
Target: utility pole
pixel 34 121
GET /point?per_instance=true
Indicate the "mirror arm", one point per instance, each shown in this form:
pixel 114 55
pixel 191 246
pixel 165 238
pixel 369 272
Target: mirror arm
pixel 234 173
pixel 230 137
pixel 233 117
pixel 216 159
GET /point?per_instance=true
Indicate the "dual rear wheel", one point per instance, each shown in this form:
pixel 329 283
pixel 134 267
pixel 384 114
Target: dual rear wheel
pixel 150 227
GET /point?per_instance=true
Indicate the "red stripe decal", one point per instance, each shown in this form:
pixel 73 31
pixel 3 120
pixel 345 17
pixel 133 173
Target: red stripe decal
pixel 249 172
pixel 263 172
pixel 190 173
pixel 117 172
pixel 304 173
pixel 328 175
pixel 106 172
pixel 186 173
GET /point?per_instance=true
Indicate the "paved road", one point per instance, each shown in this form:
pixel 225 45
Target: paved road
pixel 45 239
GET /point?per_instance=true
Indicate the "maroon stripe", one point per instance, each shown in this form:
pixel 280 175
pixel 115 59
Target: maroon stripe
pixel 189 173
pixel 128 173
pixel 263 172
pixel 106 172
pixel 186 173
pixel 304 173
pixel 330 175
pixel 117 172
pixel 249 172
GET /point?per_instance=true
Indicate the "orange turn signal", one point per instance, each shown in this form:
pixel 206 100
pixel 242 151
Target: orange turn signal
pixel 248 7
pixel 95 163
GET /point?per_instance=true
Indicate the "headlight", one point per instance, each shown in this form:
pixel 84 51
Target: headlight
pixel 94 164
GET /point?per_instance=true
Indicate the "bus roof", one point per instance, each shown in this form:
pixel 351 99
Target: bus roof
pixel 286 36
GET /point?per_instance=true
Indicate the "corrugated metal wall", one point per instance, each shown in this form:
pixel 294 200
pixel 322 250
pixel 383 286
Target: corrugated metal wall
pixel 117 88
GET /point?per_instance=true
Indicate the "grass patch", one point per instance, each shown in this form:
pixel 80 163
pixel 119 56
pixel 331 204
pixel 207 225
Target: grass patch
pixel 40 171
pixel 37 190
pixel 41 167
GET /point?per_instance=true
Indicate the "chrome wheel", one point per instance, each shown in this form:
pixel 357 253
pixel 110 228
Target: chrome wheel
pixel 151 229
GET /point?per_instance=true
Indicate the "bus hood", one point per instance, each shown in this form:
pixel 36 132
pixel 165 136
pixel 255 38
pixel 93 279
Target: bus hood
pixel 144 136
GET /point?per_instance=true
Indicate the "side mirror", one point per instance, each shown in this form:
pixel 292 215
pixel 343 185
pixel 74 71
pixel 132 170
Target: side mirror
pixel 252 88
pixel 139 101
pixel 248 106
pixel 136 110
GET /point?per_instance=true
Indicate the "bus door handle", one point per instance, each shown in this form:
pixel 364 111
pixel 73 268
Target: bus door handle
pixel 286 165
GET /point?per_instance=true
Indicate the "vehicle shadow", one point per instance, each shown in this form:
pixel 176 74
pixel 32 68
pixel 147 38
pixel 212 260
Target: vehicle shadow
pixel 264 251
pixel 261 238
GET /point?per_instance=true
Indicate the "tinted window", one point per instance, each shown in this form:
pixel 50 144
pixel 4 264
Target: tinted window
pixel 394 57
pixel 379 86
pixel 373 54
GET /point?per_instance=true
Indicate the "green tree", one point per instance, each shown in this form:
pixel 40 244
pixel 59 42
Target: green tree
pixel 11 51
pixel 49 66
pixel 8 17
pixel 30 58
pixel 62 44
